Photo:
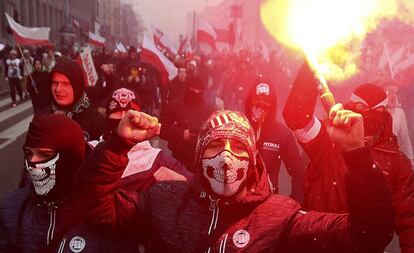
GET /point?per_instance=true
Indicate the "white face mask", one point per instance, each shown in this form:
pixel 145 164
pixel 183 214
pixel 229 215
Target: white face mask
pixel 43 175
pixel 225 172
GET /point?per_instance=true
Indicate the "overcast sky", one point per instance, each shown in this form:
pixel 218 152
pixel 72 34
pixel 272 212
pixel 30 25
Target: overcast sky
pixel 169 15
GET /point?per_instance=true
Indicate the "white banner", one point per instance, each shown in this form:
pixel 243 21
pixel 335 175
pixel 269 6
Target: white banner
pixel 88 67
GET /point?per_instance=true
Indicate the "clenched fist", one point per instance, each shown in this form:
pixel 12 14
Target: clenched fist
pixel 137 126
pixel 346 128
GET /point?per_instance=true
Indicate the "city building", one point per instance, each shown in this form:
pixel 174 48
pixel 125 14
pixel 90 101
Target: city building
pixel 48 13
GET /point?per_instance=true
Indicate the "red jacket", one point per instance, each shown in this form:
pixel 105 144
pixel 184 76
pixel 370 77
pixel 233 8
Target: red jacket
pixel 179 216
pixel 325 183
pixel 325 188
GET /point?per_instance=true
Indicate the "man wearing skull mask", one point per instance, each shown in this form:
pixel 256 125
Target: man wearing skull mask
pixel 31 217
pixel 275 142
pixel 228 205
pixel 325 187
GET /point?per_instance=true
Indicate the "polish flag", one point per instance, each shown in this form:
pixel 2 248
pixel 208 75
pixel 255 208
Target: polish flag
pixel 120 47
pixel 30 36
pixel 151 55
pixel 206 34
pixel 162 41
pixel 96 39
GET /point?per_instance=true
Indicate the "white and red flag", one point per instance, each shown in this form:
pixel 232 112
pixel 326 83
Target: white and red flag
pixel 120 47
pixel 151 55
pixel 206 34
pixel 96 39
pixel 162 41
pixel 86 62
pixel 30 36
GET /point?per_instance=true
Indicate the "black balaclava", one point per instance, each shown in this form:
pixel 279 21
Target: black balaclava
pixel 65 137
pixel 191 96
pixel 261 99
pixel 377 121
pixel 75 75
pixel 122 99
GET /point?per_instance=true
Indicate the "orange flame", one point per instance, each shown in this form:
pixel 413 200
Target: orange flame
pixel 330 32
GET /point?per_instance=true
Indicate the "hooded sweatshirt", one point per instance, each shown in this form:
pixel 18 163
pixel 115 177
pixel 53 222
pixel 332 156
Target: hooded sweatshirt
pixel 30 222
pixel 188 113
pixel 188 217
pixel 91 121
pixel 325 183
pixel 275 142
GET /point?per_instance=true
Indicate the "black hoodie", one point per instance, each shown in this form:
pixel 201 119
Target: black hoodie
pixel 91 121
pixel 275 141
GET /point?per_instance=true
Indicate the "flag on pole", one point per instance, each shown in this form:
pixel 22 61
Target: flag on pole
pixel 96 39
pixel 206 34
pixel 386 60
pixel 182 45
pixel 86 62
pixel 30 36
pixel 120 47
pixel 151 55
pixel 188 51
pixel 162 41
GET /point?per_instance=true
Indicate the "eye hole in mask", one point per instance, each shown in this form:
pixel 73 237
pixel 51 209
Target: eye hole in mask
pixel 43 174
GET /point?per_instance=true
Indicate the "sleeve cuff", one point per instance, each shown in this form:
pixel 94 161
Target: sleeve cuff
pixel 118 145
pixel 310 132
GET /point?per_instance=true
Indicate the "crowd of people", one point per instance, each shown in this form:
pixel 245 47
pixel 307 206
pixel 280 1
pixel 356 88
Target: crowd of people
pixel 94 180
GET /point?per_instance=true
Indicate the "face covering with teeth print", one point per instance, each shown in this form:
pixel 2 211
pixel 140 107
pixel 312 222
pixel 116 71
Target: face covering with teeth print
pixel 258 114
pixel 43 174
pixel 225 172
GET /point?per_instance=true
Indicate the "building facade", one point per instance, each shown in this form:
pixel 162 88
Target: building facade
pixel 49 13
pixel 246 21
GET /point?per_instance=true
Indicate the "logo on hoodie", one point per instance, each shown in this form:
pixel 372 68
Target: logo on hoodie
pixel 241 238
pixel 271 146
pixel 263 89
pixel 77 244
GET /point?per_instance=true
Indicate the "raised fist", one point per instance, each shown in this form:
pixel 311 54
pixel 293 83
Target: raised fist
pixel 346 128
pixel 137 126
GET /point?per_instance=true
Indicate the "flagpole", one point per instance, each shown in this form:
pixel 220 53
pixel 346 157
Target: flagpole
pixel 195 46
pixel 25 66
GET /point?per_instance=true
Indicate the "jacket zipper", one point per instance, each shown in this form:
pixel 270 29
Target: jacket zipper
pixel 52 222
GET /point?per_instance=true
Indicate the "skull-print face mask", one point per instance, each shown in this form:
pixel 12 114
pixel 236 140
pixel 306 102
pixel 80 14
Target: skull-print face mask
pixel 258 114
pixel 43 174
pixel 225 172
